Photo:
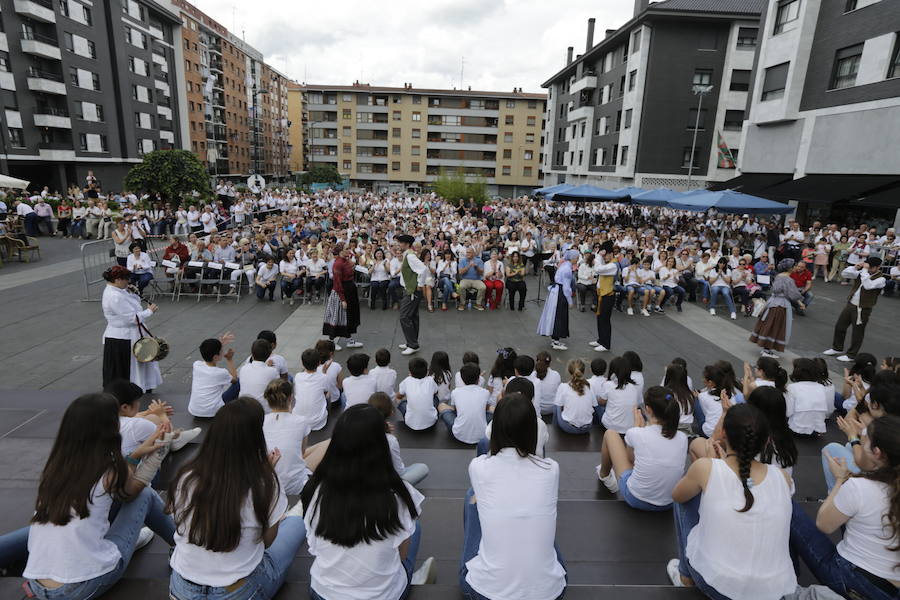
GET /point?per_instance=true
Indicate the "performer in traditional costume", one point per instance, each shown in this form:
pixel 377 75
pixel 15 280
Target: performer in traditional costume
pixel 554 320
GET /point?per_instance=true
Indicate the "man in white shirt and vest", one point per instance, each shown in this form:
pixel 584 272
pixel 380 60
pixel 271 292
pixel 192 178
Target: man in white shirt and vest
pixel 868 282
pixel 410 269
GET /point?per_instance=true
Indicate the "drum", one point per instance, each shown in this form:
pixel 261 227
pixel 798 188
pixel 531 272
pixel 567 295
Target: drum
pixel 149 349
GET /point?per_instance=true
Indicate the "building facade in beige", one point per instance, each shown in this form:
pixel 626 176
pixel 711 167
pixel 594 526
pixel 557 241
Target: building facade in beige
pixel 387 138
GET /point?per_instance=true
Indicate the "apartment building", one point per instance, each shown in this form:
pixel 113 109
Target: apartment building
pixel 236 104
pixel 389 138
pixel 650 104
pixel 824 111
pixel 88 86
pixel 296 132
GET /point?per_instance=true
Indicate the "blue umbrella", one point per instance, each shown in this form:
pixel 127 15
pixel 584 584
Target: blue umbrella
pixel 588 193
pixel 630 190
pixel 658 197
pixel 552 189
pixel 729 201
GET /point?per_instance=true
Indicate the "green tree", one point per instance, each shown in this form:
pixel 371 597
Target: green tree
pixel 169 173
pixel 452 185
pixel 322 174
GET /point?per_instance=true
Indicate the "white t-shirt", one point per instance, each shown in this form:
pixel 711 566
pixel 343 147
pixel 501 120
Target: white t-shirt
pixel 220 569
pixel 620 405
pixel 254 378
pixel 134 430
pixel 286 432
pixel 458 382
pixel 207 386
pixel 357 389
pixel 658 463
pixel 867 535
pixel 712 411
pixel 370 571
pixel 78 551
pixel 543 436
pixel 396 457
pixel 471 403
pixel 309 398
pixel 638 378
pixel 420 410
pixel 546 391
pixel 577 409
pixel 385 380
pixel 807 406
pixel 334 369
pixel 277 360
pixel 517 497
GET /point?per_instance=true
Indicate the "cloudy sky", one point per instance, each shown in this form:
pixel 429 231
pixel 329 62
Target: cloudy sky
pixel 504 43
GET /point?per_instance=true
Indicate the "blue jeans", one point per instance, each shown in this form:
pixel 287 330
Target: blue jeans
pixel 687 515
pixel 704 288
pixel 837 451
pixel 725 292
pixel 482 447
pixel 141 280
pixel 409 564
pixel 676 291
pixel 14 548
pixel 261 291
pixel 378 288
pixel 634 502
pixel 471 542
pixel 232 392
pixel 147 509
pixel 699 415
pixel 447 288
pixel 568 427
pixel 829 567
pixel 265 580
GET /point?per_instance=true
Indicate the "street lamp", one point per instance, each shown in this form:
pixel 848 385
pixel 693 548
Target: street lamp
pixel 256 92
pixel 699 91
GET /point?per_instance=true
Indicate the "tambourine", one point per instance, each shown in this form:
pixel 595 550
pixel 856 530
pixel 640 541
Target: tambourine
pixel 149 348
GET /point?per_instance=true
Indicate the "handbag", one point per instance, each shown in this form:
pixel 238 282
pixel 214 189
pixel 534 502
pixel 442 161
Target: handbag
pixel 149 348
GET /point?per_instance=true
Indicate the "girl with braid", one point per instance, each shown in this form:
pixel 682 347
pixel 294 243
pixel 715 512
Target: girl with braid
pixel 734 497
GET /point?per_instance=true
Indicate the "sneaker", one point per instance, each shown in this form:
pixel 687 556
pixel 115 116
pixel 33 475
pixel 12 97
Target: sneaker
pixel 181 439
pixel 712 311
pixel 645 312
pixel 558 346
pixel 831 352
pixel 674 573
pixel 426 574
pixel 292 301
pixel 845 358
pixel 337 348
pixel 460 307
pixel 733 316
pixel 593 343
pixel 353 343
pixel 479 307
pixel 601 348
pixel 678 308
pixel 630 312
pixel 402 346
pixel 769 353
pixel 144 538
pixel 609 481
pixel 659 310
pixel 409 351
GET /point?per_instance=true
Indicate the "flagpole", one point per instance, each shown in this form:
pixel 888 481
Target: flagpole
pixel 700 91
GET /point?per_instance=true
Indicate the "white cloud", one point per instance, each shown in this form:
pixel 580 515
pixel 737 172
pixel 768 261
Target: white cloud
pixel 505 43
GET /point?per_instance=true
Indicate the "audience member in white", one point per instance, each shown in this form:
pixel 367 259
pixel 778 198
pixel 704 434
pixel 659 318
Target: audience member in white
pixel 466 414
pixel 575 403
pixel 413 473
pixel 360 385
pixel 212 386
pixel 287 433
pixel 439 370
pixel 807 404
pixel 141 268
pixel 310 391
pixel 256 374
pixel 266 275
pixel 385 376
pixel 416 397
pixel 622 396
pixel 136 425
pixel 549 379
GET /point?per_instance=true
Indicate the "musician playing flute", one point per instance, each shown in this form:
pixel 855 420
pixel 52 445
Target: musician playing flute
pixel 122 309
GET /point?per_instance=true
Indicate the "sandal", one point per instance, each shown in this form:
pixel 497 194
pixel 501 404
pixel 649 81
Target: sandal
pixel 430 308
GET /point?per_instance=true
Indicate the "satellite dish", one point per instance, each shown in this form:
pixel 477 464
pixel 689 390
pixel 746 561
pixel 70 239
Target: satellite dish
pixel 256 182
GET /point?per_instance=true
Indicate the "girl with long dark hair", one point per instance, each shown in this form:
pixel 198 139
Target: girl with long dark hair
pixel 622 396
pixel 649 461
pixel 361 517
pixel 864 564
pixel 780 449
pixel 807 404
pixel 729 498
pixel 235 536
pixel 75 552
pixel 509 515
pixel 549 380
pixel 502 370
pixel 439 369
pixel 676 380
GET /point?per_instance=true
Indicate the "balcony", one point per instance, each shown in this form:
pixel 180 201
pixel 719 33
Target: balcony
pixel 45 116
pixel 40 45
pixel 40 10
pixel 588 82
pixel 582 112
pixel 42 81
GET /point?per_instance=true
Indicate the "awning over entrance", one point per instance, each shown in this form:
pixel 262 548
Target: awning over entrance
pixel 832 188
pixel 751 183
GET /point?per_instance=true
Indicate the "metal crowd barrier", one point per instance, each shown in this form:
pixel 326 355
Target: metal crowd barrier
pixel 95 258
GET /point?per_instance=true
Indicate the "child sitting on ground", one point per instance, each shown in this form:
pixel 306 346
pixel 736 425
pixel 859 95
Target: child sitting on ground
pixel 330 369
pixel 286 432
pixel 439 369
pixel 469 357
pixel 596 381
pixel 310 396
pixel 466 414
pixel 524 386
pixel 621 395
pixel 417 397
pixel 360 384
pixel 255 375
pixel 385 376
pixel 575 403
pixel 212 386
pixel 136 425
pixel 413 473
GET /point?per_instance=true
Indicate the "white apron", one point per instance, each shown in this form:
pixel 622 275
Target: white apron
pixel 120 307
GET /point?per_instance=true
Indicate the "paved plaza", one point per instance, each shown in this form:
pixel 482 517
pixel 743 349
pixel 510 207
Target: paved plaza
pixel 50 351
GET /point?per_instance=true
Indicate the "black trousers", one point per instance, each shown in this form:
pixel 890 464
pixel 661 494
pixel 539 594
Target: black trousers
pixel 409 318
pixel 604 324
pixel 512 287
pixel 847 319
pixel 116 360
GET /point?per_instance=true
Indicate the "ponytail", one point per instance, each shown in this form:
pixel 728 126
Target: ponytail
pixel 576 376
pixel 746 431
pixel 542 364
pixel 278 394
pixel 781 379
pixel 662 402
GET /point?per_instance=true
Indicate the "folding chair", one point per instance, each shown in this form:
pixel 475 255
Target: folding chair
pixel 362 281
pixel 193 272
pixel 167 277
pixel 230 268
pixel 211 278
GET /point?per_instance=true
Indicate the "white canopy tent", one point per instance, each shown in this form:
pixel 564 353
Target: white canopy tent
pixel 11 182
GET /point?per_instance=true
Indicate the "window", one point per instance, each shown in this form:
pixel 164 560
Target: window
pixel 775 82
pixel 846 66
pixel 415 167
pixel 506 171
pixel 527 171
pixel 632 80
pixel 623 158
pixel 4 61
pixel 734 120
pixel 894 70
pixel 16 139
pixel 531 121
pixel 476 104
pixel 395 115
pixel 692 119
pixel 703 77
pixel 64 7
pixel 346 131
pixel 395 149
pixel 746 39
pixel 786 15
pixel 416 150
pixel 510 104
pixel 347 148
pixel 395 166
pixel 507 138
pixel 417 99
pixel 347 165
pixel 416 134
pixel 686 158
pixel 82 142
pixel 618 120
pixel 507 153
pixel 636 41
pixel 510 120
pixel 395 132
pixel 628 119
pixel 740 80
pixel 347 98
pixel 529 155
pixel 88 20
pixel 417 116
pixel 346 113
pixel 532 104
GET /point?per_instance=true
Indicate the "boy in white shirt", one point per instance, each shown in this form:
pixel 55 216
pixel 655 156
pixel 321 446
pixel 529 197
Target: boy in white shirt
pixel 136 425
pixel 596 381
pixel 310 393
pixel 330 369
pixel 417 397
pixel 212 386
pixel 275 360
pixel 385 376
pixel 466 415
pixel 256 374
pixel 360 385
pixel 524 367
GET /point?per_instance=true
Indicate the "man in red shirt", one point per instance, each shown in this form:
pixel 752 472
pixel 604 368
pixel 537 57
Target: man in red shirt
pixel 803 280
